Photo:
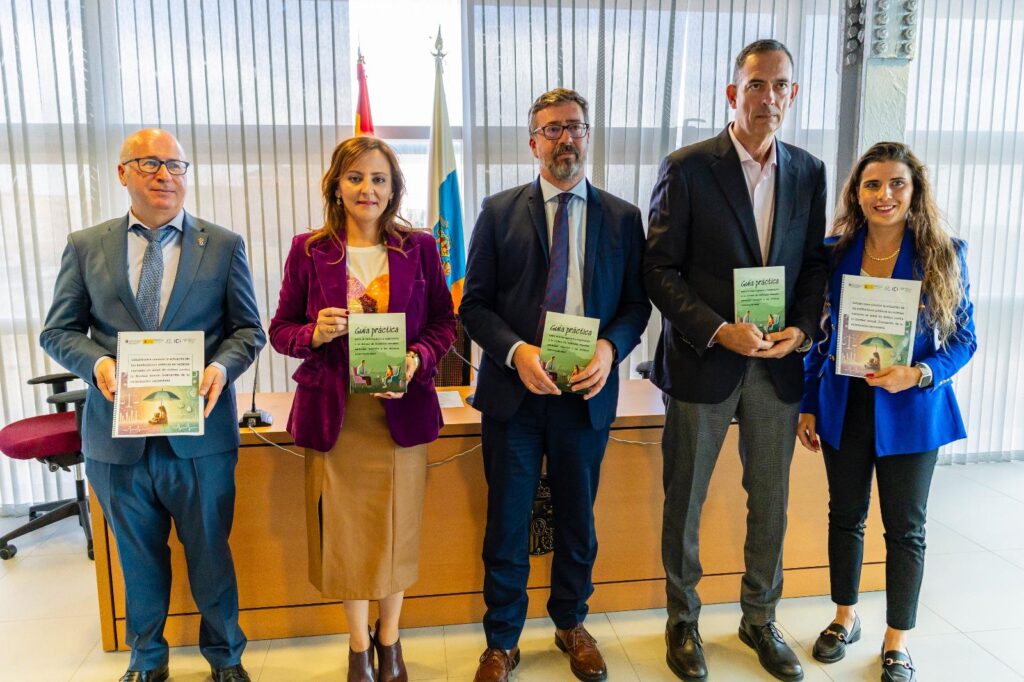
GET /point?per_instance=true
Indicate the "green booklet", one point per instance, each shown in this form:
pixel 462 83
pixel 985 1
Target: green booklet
pixel 376 352
pixel 568 346
pixel 877 324
pixel 760 297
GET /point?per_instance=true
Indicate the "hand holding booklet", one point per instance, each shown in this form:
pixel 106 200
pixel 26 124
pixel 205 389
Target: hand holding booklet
pixel 877 323
pixel 759 297
pixel 158 376
pixel 376 352
pixel 568 346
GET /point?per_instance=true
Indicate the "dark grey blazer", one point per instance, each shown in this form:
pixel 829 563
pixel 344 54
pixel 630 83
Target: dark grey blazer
pixel 93 301
pixel 701 227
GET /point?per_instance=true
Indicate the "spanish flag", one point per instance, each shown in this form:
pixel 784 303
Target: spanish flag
pixel 364 121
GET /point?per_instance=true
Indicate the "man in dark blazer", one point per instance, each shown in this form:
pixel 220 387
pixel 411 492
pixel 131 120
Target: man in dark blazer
pixel 557 244
pixel 741 199
pixel 159 268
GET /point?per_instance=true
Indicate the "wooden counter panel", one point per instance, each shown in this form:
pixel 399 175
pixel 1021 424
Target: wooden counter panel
pixel 269 536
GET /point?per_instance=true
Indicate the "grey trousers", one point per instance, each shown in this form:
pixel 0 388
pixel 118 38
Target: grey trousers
pixel 694 433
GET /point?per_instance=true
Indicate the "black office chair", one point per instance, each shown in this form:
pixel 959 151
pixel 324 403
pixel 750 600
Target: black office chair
pixel 55 440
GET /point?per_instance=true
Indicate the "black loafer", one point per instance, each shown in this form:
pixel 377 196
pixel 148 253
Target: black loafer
pixel 897 667
pixel 833 640
pixel 155 675
pixel 685 652
pixel 775 655
pixel 233 673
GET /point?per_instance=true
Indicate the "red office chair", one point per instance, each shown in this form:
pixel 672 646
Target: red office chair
pixel 53 439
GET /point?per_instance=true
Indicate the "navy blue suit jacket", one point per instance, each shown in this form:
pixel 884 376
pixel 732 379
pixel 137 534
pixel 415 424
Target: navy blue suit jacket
pixel 914 420
pixel 93 301
pixel 701 227
pixel 506 276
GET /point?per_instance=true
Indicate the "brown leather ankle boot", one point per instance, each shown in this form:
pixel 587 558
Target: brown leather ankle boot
pixel 392 666
pixel 360 664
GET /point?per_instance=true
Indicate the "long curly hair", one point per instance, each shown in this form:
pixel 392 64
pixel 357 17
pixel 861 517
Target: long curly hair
pixel 390 223
pixel 937 264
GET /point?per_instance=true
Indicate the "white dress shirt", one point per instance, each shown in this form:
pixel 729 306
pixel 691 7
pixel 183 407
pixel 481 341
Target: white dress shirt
pixel 761 186
pixel 577 208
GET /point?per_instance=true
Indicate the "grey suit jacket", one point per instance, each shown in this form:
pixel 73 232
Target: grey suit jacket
pixel 93 301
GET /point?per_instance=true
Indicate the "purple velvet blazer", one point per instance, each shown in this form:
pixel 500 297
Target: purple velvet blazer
pixel 319 280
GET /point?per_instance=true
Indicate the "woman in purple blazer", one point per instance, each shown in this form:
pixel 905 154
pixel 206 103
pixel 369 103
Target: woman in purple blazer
pixel 365 455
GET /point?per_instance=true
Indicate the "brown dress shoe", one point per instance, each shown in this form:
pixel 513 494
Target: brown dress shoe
pixel 391 666
pixel 585 659
pixel 496 665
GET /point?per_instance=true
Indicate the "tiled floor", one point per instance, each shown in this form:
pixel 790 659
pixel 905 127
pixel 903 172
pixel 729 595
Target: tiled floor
pixel 971 616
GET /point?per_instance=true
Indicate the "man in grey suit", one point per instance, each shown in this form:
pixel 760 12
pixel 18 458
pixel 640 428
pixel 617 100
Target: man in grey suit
pixel 741 199
pixel 159 268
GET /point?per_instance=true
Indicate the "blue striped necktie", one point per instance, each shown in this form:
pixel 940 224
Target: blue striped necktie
pixel 148 295
pixel 558 262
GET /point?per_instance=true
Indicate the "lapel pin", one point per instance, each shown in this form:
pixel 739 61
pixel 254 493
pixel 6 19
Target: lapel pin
pixel 201 240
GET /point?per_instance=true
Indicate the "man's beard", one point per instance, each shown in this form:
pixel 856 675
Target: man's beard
pixel 565 169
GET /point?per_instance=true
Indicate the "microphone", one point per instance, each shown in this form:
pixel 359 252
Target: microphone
pixel 254 417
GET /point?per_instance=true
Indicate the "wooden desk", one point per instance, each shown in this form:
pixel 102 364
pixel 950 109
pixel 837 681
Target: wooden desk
pixel 269 536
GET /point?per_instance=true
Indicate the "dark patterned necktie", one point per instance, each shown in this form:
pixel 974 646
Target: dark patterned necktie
pixel 148 295
pixel 558 262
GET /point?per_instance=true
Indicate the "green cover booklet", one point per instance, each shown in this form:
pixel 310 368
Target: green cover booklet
pixel 759 296
pixel 376 352
pixel 568 346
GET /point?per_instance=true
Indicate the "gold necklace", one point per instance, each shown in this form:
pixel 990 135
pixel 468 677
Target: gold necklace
pixel 882 260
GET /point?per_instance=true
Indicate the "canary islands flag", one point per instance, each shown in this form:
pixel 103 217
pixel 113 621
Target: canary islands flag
pixel 444 205
pixel 364 121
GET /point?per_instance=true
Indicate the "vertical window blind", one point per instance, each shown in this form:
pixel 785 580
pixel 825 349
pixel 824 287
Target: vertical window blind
pixel 258 92
pixel 654 73
pixel 965 121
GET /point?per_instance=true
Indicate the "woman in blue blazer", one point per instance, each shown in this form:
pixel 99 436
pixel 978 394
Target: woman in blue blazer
pixel 894 420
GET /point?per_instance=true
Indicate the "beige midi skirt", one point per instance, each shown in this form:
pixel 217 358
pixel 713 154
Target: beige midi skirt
pixel 364 508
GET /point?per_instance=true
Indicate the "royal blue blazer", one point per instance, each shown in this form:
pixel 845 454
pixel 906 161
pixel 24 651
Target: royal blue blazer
pixel 914 420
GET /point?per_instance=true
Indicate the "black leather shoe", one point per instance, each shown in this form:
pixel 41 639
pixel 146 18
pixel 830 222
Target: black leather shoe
pixel 685 652
pixel 154 675
pixel 897 667
pixel 833 640
pixel 234 673
pixel 775 655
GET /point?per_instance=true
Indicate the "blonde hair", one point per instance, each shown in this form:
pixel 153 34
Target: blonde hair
pixel 938 263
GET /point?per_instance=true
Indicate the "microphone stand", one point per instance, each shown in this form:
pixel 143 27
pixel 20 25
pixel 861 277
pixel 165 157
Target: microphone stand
pixel 254 417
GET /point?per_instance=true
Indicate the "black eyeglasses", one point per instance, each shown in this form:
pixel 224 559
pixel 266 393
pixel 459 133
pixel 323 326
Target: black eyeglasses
pixel 151 166
pixel 553 131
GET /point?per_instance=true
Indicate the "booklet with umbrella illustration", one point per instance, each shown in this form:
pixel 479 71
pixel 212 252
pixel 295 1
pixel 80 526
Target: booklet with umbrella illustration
pixel 158 376
pixel 877 322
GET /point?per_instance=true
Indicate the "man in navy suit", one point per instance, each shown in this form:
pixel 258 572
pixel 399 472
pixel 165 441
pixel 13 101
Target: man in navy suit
pixel 159 268
pixel 741 199
pixel 557 244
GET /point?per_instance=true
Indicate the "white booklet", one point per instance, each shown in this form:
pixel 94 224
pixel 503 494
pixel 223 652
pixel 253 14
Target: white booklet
pixel 877 323
pixel 158 376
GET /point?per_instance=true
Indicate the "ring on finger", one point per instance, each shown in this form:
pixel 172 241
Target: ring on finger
pixel 330 330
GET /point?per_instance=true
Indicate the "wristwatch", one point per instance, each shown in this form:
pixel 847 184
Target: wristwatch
pixel 926 375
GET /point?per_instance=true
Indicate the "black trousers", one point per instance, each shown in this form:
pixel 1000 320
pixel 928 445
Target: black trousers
pixel 903 485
